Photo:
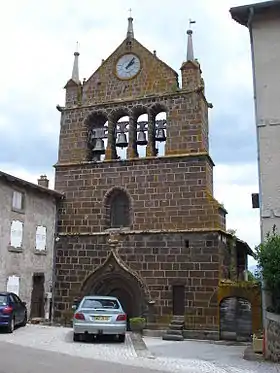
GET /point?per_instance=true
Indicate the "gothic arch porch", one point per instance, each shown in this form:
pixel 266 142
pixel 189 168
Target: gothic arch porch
pixel 114 278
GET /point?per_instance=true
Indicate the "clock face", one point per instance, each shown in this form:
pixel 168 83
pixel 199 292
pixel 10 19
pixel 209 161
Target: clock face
pixel 128 66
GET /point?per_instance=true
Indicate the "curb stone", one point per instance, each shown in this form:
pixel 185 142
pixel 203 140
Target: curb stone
pixel 140 346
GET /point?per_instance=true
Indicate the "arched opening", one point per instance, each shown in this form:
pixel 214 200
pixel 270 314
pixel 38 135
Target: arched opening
pixel 114 278
pixel 235 319
pixel 118 209
pixel 142 135
pixel 160 133
pixel 128 296
pixel 97 124
pixel 122 136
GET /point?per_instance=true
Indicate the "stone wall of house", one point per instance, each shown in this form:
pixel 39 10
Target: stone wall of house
pixel 160 259
pixel 23 262
pixel 273 337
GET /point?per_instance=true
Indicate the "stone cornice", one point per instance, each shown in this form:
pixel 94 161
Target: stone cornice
pixel 127 161
pixel 149 231
pixel 138 100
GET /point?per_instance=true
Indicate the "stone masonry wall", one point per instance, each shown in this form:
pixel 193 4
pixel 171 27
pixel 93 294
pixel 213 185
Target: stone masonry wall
pixel 160 259
pixel 166 193
pixel 186 127
pixel 273 337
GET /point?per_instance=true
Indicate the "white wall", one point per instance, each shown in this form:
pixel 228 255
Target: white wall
pixel 266 45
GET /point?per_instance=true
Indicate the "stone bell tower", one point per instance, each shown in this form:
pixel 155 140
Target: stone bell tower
pixel 139 222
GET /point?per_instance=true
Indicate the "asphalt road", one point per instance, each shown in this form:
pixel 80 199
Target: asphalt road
pixel 18 359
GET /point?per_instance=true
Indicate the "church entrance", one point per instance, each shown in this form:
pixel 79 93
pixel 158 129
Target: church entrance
pixel 127 293
pixel 115 278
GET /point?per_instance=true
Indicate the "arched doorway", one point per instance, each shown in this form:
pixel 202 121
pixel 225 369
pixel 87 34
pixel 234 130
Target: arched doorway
pixel 115 278
pixel 117 286
pixel 235 319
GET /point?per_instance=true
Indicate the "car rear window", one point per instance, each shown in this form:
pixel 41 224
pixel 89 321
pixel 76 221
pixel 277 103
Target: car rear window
pixel 3 300
pixel 100 303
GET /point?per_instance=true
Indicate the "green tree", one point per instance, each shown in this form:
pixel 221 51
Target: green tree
pixel 252 277
pixel 268 258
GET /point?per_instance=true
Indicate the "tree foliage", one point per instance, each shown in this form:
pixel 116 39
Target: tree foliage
pixel 268 258
pixel 252 277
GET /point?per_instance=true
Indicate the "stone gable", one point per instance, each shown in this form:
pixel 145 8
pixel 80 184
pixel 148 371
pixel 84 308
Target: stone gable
pixel 154 77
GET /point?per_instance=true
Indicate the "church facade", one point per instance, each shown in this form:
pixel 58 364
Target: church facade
pixel 144 227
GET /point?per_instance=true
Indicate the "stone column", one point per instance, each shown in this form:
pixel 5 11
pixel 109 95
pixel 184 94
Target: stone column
pixel 111 152
pixel 151 149
pixel 132 146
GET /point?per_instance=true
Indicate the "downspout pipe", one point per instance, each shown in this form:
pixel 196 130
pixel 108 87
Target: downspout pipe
pixel 249 25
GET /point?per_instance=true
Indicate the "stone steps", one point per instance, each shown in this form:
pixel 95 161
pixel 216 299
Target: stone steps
pixel 175 329
pixel 175 326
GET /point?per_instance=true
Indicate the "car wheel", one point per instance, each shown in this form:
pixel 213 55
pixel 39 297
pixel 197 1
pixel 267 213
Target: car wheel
pixel 122 338
pixel 11 326
pixel 76 337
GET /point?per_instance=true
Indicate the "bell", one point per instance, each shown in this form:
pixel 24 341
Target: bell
pixel 160 135
pixel 98 147
pixel 121 140
pixel 141 139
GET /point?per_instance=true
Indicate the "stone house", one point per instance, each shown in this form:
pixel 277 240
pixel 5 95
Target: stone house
pixel 27 233
pixel 138 222
pixel 263 22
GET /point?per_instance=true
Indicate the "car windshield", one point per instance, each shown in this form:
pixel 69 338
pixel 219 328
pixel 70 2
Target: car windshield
pixel 3 300
pixel 100 303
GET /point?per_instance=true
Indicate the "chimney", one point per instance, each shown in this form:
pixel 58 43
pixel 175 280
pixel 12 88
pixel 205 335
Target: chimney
pixel 43 181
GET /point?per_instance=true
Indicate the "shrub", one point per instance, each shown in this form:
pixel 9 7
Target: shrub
pixel 268 258
pixel 137 321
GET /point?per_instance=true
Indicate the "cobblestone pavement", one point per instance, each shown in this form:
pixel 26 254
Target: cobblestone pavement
pixel 176 357
pixel 211 357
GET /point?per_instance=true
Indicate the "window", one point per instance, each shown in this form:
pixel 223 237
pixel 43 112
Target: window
pixel 17 200
pixel 16 234
pixel 119 212
pixel 41 238
pixel 13 284
pixel 3 300
pixel 100 303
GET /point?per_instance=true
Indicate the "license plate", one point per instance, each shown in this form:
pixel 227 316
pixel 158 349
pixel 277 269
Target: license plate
pixel 101 318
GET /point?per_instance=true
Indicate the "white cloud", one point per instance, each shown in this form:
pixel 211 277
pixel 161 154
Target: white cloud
pixel 233 186
pixel 23 173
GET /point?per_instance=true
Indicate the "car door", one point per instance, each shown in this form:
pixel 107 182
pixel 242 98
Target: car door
pixel 17 308
pixel 15 305
pixel 21 308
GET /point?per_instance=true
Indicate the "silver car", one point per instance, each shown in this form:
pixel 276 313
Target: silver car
pixel 99 315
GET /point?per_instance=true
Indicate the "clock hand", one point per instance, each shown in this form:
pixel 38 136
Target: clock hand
pixel 130 63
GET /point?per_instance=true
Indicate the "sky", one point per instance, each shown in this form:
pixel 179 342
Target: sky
pixel 38 40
